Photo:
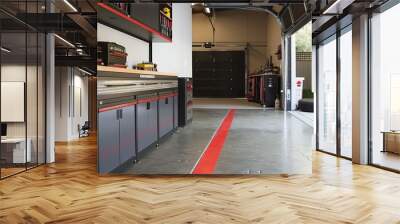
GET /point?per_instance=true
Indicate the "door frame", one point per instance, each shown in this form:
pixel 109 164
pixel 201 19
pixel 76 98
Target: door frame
pixel 338 31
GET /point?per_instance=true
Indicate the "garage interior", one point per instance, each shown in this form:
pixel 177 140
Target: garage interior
pixel 233 92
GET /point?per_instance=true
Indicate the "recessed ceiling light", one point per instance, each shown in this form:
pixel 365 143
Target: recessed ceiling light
pixel 86 72
pixel 70 5
pixel 5 50
pixel 338 6
pixel 65 41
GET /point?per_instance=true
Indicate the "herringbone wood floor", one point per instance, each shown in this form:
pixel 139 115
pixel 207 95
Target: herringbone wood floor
pixel 70 191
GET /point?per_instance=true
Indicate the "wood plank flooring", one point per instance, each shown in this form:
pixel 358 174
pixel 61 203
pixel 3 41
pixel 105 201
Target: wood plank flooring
pixel 70 191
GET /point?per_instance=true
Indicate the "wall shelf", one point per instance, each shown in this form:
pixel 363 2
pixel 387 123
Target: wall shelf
pixel 112 17
pixel 134 71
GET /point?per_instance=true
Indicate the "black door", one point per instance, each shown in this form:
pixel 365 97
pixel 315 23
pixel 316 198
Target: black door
pixel 219 74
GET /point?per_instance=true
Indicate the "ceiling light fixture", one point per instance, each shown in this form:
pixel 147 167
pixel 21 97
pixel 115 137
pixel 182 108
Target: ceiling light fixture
pixel 70 5
pixel 326 11
pixel 65 41
pixel 86 72
pixel 5 50
pixel 337 7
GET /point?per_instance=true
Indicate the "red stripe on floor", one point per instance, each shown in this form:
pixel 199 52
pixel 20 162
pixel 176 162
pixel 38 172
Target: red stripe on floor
pixel 208 160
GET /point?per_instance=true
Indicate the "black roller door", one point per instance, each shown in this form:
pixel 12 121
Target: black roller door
pixel 219 74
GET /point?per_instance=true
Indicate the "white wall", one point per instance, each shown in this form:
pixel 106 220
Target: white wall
pixel 33 125
pixel 177 56
pixel 79 117
pixel 138 50
pixel 68 81
pixel 61 103
pixel 17 73
pixel 237 28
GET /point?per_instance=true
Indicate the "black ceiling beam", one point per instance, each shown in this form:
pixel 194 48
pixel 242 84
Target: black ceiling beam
pixel 76 61
pixel 211 1
pixel 49 22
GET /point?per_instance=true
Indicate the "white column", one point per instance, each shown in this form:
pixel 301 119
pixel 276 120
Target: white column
pixel 293 73
pixel 314 85
pixel 360 90
pixel 50 99
pixel 285 71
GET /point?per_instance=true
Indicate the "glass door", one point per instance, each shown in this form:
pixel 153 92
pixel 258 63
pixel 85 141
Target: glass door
pixel 327 96
pixel 22 77
pixel 14 145
pixel 346 92
pixel 385 89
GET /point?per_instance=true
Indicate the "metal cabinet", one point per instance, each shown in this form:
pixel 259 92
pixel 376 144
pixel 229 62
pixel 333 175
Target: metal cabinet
pixel 185 91
pixel 116 141
pixel 147 133
pixel 127 140
pixel 108 141
pixel 165 114
pixel 176 110
pixel 270 89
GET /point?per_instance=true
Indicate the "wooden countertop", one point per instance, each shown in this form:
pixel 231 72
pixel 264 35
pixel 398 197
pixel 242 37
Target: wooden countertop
pixel 133 71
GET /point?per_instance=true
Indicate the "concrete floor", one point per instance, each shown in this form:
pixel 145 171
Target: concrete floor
pixel 224 103
pixel 259 142
pixel 307 117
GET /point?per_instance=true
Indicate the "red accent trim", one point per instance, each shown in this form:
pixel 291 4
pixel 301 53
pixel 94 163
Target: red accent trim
pixel 167 95
pixel 209 159
pixel 117 106
pixel 145 100
pixel 118 66
pixel 136 22
pixel 118 54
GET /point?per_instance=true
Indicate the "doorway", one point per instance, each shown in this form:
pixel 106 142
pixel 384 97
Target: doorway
pixel 301 83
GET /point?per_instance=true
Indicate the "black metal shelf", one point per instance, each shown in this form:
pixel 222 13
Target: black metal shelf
pixel 112 17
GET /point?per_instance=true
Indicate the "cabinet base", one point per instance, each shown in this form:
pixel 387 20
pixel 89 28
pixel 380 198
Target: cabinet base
pixel 144 152
pixel 127 163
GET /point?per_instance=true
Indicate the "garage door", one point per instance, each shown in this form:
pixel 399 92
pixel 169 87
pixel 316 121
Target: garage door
pixel 219 74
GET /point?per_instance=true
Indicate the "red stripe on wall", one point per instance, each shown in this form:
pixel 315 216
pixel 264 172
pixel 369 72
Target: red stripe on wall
pixel 167 95
pixel 209 159
pixel 104 109
pixel 146 100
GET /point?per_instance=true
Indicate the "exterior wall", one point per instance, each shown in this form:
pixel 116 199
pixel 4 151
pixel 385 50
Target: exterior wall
pixel 303 69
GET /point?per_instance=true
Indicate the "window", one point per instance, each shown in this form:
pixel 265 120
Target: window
pixel 385 89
